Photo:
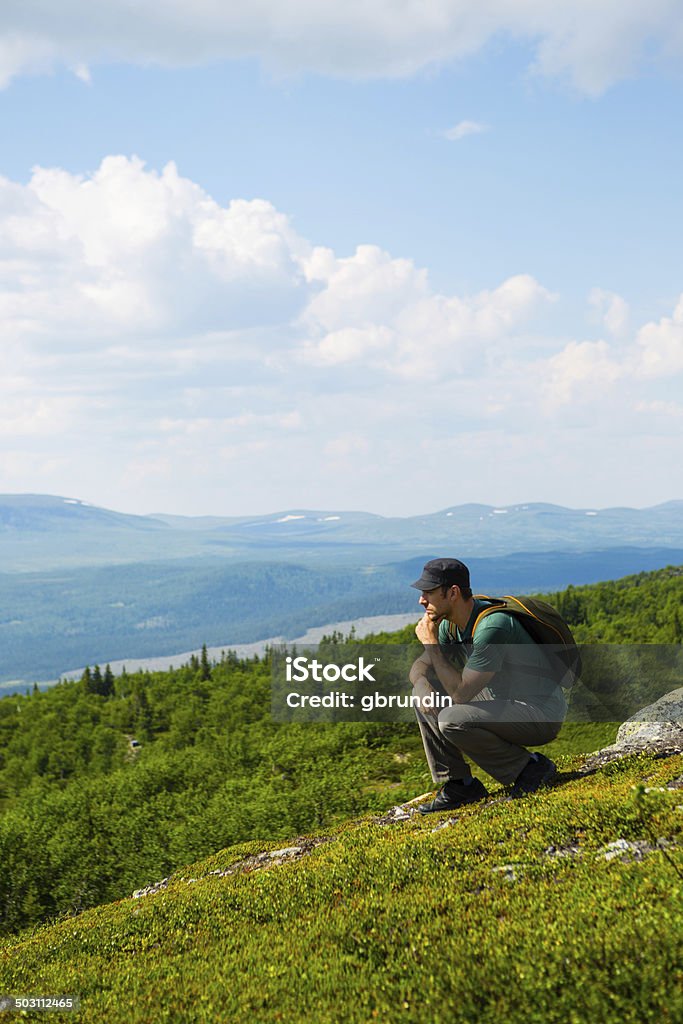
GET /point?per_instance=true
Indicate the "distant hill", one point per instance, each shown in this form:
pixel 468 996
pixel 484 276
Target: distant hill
pixel 81 583
pixel 44 532
pixel 54 622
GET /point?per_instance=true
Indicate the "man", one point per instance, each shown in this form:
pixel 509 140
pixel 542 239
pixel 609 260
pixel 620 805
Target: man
pixel 500 682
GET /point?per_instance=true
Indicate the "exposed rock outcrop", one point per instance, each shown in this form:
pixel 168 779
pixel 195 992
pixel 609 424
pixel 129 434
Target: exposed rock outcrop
pixel 657 728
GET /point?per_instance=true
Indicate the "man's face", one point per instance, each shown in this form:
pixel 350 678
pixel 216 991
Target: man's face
pixel 436 603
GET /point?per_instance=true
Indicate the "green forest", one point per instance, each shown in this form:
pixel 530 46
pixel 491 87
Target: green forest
pixel 55 622
pixel 108 784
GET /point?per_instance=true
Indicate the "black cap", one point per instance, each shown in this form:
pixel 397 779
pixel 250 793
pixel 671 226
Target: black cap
pixel 443 572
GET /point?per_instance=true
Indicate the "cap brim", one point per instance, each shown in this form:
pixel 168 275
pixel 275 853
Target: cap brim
pixel 425 583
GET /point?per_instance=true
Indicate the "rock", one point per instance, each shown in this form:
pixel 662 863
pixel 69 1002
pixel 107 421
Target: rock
pixel 151 890
pixel 630 850
pixel 657 728
pixel 444 824
pixel 508 871
pixel 570 850
pixel 256 862
pixel 401 812
pixel 659 725
pixel 287 851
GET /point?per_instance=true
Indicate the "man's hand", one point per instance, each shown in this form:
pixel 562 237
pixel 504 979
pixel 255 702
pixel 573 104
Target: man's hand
pixel 427 630
pixel 422 688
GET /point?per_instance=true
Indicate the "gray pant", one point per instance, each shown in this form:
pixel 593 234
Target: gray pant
pixel 492 732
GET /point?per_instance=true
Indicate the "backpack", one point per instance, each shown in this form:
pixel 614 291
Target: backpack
pixel 544 625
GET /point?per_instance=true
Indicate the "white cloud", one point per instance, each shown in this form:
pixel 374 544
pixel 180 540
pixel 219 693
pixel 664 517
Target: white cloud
pixel 612 309
pixel 580 373
pixel 220 425
pixel 82 72
pixel 594 44
pixel 150 335
pixel 585 374
pixel 351 344
pixel 366 287
pixel 464 128
pixel 347 446
pixel 26 52
pixel 380 312
pixel 129 250
pixel 665 410
pixel 660 346
pixel 34 416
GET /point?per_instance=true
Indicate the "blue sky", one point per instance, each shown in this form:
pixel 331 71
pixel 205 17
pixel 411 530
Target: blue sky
pixel 338 260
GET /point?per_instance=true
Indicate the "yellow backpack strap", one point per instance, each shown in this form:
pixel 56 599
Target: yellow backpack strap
pixel 496 606
pixel 532 615
pixel 452 631
pixel 513 604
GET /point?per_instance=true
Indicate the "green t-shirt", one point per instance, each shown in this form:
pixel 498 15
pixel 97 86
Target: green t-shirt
pixel 502 645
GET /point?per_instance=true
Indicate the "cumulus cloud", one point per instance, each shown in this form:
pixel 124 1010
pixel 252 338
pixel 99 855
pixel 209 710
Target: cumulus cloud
pixel 660 346
pixel 151 335
pixel 586 373
pixel 380 312
pixel 660 408
pixel 594 44
pixel 464 128
pixel 581 372
pixel 129 250
pixel 82 72
pixel 367 287
pixel 612 309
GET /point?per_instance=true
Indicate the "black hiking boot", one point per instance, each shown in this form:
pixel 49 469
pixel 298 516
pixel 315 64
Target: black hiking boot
pixel 455 794
pixel 536 774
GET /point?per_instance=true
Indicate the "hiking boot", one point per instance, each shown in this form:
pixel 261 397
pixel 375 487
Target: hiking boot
pixel 455 794
pixel 536 774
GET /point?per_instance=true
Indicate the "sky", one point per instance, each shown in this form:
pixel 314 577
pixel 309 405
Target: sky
pixel 391 257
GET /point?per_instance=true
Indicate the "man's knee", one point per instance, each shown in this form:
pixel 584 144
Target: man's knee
pixel 458 716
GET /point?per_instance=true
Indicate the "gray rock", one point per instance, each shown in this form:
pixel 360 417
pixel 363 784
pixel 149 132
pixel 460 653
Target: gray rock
pixel 570 850
pixel 631 850
pixel 287 851
pixel 444 824
pixel 256 862
pixel 510 872
pixel 151 890
pixel 657 728
pixel 401 812
pixel 659 725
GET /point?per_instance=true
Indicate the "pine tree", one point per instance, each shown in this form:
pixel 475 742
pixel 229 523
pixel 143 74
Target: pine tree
pixel 108 682
pixel 97 682
pixel 86 680
pixel 205 665
pixel 143 715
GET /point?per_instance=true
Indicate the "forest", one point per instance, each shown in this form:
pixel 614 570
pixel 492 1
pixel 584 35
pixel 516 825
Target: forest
pixel 109 783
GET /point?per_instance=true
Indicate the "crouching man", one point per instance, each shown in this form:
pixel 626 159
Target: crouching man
pixel 500 682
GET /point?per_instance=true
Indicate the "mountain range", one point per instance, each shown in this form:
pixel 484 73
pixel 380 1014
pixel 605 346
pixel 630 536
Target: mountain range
pixel 39 532
pixel 84 585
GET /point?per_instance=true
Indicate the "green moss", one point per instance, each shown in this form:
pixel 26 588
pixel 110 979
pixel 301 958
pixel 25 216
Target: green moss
pixel 402 922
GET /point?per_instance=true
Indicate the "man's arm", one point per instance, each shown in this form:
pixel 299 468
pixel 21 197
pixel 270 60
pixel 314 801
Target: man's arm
pixel 420 668
pixel 419 677
pixel 460 686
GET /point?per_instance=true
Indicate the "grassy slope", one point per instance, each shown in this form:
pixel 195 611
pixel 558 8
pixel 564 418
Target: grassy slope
pixel 402 923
